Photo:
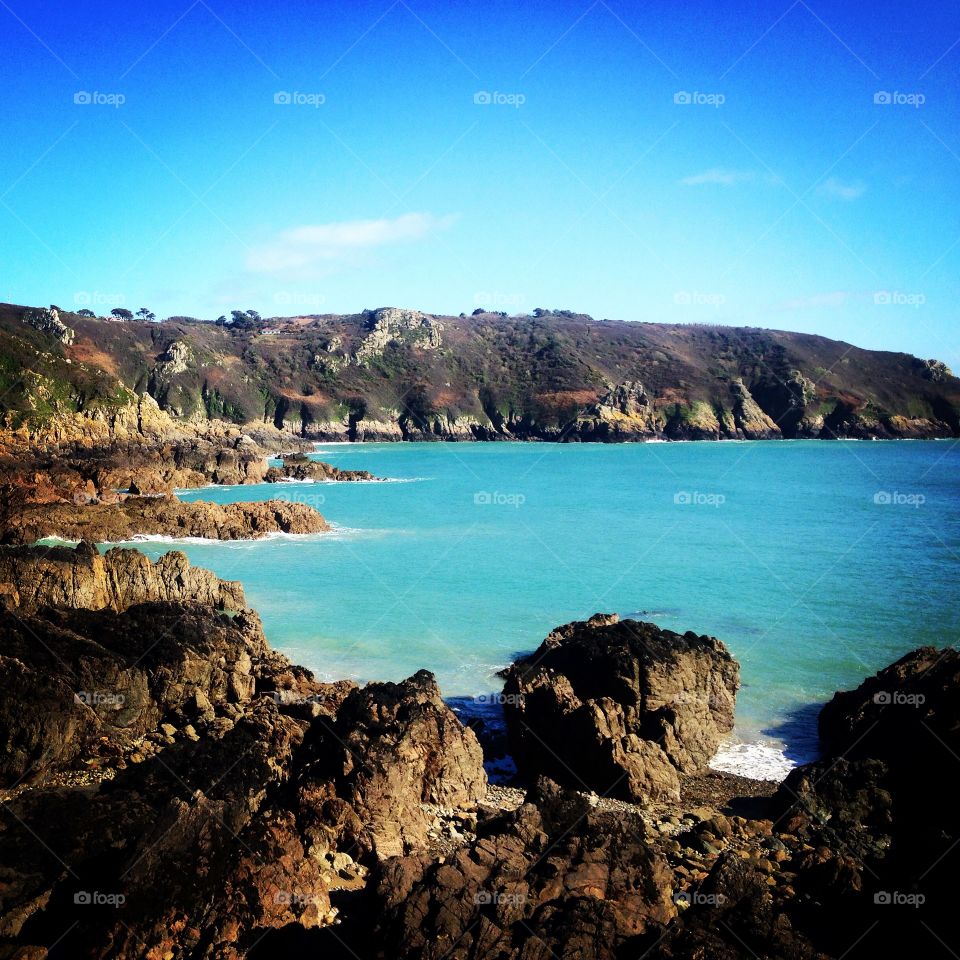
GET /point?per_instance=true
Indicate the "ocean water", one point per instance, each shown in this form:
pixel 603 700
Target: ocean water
pixel 816 562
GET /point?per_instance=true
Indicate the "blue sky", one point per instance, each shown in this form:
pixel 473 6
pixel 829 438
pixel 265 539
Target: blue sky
pixel 714 163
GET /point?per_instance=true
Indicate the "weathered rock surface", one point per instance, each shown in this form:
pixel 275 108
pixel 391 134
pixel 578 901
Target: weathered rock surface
pixel 49 322
pixel 205 798
pixel 893 714
pixel 160 516
pixel 203 792
pixel 554 879
pixel 301 467
pixel 394 747
pixel 83 578
pixel 620 707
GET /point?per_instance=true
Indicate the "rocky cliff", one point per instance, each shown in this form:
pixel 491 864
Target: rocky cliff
pixel 392 374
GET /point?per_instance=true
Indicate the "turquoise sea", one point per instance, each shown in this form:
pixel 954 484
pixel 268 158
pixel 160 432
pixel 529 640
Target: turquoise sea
pixel 816 562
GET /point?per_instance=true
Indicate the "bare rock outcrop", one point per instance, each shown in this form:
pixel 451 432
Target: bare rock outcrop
pixel 553 879
pixel 394 747
pixel 83 578
pixel 299 466
pixel 394 325
pixel 620 707
pixel 49 322
pixel 160 516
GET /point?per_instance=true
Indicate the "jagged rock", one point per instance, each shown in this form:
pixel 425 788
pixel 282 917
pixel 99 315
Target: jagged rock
pixel 396 746
pixel 82 578
pixel 749 419
pixel 554 879
pixel 624 412
pixel 49 322
pixel 392 325
pixel 900 712
pixel 620 707
pixel 173 361
pixel 300 467
pixel 733 916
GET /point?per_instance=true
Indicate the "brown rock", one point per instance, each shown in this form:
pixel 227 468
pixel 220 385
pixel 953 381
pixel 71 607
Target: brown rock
pixel 620 707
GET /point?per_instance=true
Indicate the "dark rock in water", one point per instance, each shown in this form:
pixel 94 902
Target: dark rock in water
pixel 620 707
pixel 298 466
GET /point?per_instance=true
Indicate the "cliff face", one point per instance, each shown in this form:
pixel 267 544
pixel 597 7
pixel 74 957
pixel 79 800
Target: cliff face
pixel 392 374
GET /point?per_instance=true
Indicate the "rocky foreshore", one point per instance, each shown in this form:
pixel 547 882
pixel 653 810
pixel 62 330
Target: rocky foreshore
pixel 163 516
pixel 123 487
pixel 172 787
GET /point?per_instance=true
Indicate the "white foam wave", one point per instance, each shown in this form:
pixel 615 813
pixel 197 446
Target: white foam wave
pixel 759 761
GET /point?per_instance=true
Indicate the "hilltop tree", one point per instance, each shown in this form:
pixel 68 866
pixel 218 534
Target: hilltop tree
pixel 146 314
pixel 121 313
pixel 85 313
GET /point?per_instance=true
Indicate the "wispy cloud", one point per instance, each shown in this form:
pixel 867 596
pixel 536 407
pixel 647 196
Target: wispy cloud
pixel 723 178
pixel 316 249
pixel 841 190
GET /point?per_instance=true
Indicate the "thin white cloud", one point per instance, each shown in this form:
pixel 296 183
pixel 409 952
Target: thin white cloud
pixel 841 190
pixel 723 178
pixel 323 248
